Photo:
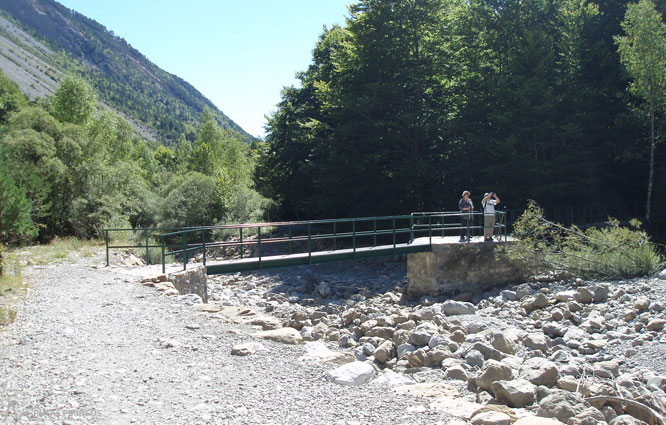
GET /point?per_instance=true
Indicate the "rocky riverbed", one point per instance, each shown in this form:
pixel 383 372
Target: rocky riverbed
pixel 334 343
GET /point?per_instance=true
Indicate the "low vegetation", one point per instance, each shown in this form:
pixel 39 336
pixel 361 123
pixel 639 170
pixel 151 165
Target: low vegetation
pixel 610 251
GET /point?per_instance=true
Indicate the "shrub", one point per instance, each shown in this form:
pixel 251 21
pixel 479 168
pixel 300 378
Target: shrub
pixel 612 251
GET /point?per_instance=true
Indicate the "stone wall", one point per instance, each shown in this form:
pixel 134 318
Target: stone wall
pixel 462 269
pixel 191 281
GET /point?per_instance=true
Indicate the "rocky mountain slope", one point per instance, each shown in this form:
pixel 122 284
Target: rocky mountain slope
pixel 41 39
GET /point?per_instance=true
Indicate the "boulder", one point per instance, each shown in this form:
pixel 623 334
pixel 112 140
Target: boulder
pixel 456 372
pixel 422 334
pixel 405 349
pixel 515 393
pixel 318 352
pixel 283 335
pixel 656 324
pixel 626 420
pixel 352 374
pixel 455 308
pixel 493 371
pixel 537 341
pixel 535 302
pixel 491 418
pixel 435 390
pixel 384 352
pixel 589 416
pixel 383 332
pixel 488 351
pixel 474 358
pixel 561 405
pixel 504 342
pixel 267 322
pixel 539 372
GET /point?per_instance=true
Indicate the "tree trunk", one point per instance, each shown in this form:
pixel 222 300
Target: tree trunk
pixel 651 178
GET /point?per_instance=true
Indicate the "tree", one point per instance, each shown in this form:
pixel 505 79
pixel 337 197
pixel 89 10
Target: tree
pixel 643 52
pixel 15 222
pixel 73 101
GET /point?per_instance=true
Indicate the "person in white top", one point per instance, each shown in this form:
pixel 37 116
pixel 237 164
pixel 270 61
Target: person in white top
pixel 489 201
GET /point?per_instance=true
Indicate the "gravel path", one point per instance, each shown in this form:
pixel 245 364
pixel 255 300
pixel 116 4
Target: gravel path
pixel 94 346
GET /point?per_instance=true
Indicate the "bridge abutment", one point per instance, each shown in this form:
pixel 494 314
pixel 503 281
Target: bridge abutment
pixel 453 268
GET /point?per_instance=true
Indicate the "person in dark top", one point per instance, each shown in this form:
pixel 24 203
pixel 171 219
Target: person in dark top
pixel 466 207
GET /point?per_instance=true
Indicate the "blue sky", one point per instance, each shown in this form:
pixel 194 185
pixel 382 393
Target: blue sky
pixel 239 54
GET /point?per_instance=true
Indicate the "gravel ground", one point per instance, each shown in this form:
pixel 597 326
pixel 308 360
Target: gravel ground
pixel 93 346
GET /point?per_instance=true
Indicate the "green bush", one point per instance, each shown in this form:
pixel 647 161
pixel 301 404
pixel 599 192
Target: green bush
pixel 612 251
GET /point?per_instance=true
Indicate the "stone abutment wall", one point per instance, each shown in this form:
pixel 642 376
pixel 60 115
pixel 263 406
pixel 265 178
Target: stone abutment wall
pixel 461 269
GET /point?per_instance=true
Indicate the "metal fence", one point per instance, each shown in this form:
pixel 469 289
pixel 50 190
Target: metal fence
pixel 341 238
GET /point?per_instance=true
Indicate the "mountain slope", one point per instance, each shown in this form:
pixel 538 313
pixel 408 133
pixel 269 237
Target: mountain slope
pixel 41 39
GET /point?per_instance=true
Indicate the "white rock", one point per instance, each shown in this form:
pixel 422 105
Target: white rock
pixel 392 379
pixel 284 335
pixel 352 374
pixel 247 349
pixel 319 352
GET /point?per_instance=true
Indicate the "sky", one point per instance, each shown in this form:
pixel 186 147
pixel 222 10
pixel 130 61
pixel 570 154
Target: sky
pixel 239 54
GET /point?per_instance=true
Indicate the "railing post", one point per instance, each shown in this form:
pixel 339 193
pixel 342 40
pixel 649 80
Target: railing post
pixel 289 243
pixel 147 250
pixel 184 251
pixel 411 227
pixel 203 240
pixel 430 230
pixel 309 243
pixel 354 236
pixel 163 255
pixel 469 217
pixel 374 232
pixel 259 245
pixel 393 221
pixel 106 242
pixel 335 235
pixel 241 242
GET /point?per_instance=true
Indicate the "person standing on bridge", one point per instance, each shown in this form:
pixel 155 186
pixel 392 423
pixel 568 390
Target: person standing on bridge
pixel 466 207
pixel 490 200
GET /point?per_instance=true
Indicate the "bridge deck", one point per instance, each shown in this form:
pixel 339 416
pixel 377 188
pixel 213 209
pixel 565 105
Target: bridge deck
pixel 273 261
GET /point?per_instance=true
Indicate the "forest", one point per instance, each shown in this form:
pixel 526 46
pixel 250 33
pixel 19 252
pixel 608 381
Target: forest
pixel 410 102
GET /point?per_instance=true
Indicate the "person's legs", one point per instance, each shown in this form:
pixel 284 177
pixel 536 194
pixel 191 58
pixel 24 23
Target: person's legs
pixel 488 223
pixel 463 227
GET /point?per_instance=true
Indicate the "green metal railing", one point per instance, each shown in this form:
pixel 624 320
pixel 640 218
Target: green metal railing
pixel 319 240
pixel 149 239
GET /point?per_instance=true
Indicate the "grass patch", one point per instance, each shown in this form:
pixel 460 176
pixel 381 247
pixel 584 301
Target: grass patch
pixel 57 251
pixel 11 286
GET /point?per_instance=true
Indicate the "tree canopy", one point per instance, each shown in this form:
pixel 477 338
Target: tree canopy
pixel 410 102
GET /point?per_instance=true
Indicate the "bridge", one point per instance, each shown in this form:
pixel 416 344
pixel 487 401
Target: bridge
pixel 279 244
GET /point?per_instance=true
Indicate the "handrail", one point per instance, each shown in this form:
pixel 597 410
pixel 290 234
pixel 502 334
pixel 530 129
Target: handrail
pixel 361 227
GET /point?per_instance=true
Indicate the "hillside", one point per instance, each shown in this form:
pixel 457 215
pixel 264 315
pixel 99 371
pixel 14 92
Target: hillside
pixel 40 40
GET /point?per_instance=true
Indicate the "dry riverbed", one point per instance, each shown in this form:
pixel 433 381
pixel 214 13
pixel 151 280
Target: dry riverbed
pixel 96 345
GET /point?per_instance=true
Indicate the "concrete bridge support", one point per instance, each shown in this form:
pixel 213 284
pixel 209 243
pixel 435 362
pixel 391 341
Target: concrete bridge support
pixel 460 269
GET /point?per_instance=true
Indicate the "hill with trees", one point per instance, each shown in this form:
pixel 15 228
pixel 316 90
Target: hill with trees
pixel 41 40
